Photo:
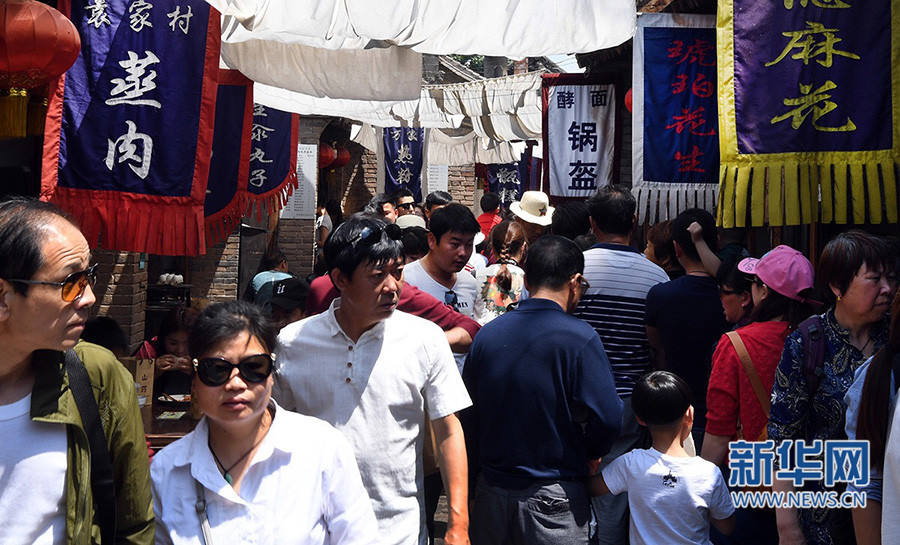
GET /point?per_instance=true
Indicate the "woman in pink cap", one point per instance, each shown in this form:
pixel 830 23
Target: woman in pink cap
pixel 744 363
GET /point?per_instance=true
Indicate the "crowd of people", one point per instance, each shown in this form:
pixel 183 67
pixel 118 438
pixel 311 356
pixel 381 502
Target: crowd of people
pixel 555 382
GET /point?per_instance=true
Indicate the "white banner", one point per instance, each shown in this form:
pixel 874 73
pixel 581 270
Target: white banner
pixel 581 133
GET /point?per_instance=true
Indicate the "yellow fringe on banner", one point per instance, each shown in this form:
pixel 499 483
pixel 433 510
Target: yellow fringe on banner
pixel 827 186
pixel 841 193
pixel 776 196
pixel 758 197
pixel 741 197
pixel 791 195
pixel 858 193
pixel 890 191
pixel 13 114
pixel 873 190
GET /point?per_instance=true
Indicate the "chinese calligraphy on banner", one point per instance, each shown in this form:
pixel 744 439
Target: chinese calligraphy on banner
pixel 505 180
pixel 826 128
pixel 273 157
pixel 580 124
pixel 226 191
pixel 675 137
pixel 403 154
pixel 129 127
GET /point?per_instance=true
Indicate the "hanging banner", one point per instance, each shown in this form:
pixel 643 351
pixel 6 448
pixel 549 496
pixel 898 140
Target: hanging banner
pixel 675 137
pixel 826 128
pixel 580 133
pixel 226 191
pixel 403 153
pixel 274 136
pixel 504 180
pixel 130 126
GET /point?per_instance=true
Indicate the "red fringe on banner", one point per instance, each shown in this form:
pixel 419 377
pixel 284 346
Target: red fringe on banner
pixel 275 199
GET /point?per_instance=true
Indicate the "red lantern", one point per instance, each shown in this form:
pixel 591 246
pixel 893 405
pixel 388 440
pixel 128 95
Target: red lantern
pixel 37 45
pixel 628 99
pixel 327 155
pixel 343 158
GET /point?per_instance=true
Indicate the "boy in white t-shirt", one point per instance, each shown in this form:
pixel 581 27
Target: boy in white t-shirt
pixel 673 497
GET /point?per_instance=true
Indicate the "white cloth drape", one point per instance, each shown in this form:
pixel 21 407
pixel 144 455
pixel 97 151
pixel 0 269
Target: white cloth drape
pixel 512 28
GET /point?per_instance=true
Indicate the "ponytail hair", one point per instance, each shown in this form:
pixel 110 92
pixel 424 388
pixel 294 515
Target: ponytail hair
pixel 507 240
pixel 874 404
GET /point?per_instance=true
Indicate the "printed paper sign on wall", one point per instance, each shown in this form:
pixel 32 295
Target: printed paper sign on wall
pixel 580 119
pixel 129 127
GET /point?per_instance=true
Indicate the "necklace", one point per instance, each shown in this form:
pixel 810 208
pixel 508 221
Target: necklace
pixel 863 349
pixel 226 472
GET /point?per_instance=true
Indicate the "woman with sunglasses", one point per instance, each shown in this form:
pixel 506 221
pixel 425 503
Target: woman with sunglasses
pixel 258 469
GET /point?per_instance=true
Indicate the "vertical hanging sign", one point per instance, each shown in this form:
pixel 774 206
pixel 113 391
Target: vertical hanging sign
pixel 273 157
pixel 580 127
pixel 403 157
pixel 130 126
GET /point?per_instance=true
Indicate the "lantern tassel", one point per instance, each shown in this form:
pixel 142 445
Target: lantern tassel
pixel 37 114
pixel 13 114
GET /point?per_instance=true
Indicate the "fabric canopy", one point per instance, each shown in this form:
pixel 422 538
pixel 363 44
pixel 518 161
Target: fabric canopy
pixel 512 28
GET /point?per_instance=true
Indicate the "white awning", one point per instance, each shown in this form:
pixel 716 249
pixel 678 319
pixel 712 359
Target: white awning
pixel 511 28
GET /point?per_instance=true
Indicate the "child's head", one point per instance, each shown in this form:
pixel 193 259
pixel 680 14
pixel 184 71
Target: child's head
pixel 661 400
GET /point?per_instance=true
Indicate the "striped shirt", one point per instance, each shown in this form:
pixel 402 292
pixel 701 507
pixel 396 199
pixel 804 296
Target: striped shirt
pixel 620 278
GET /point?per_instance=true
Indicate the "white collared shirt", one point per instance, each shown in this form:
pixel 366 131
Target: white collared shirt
pixel 375 391
pixel 302 487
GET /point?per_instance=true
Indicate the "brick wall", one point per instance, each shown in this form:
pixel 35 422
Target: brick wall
pixel 295 239
pixel 121 292
pixel 461 184
pixel 214 275
pixel 356 183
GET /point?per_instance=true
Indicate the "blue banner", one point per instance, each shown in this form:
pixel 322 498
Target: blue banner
pixel 403 153
pixel 273 155
pixel 505 180
pixel 129 129
pixel 681 142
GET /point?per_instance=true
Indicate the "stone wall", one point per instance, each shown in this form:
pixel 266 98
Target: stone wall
pixel 121 292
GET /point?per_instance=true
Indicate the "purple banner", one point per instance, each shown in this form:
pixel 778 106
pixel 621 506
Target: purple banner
pixel 403 150
pixel 812 76
pixel 273 151
pixel 681 142
pixel 505 180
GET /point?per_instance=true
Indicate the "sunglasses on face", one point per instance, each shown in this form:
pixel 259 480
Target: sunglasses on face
pixel 405 205
pixel 72 287
pixel 369 236
pixel 217 371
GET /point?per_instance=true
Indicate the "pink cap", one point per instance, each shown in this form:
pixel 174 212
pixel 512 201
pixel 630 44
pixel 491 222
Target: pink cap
pixel 783 269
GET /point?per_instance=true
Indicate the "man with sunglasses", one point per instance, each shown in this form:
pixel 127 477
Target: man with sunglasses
pixel 556 386
pixel 404 201
pixel 46 281
pixel 372 372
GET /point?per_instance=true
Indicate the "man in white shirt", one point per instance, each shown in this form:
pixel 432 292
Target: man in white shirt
pixel 372 372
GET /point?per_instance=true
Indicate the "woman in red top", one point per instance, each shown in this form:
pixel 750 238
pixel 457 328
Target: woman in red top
pixel 782 281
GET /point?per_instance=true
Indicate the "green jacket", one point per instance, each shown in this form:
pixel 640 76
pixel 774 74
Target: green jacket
pixel 52 402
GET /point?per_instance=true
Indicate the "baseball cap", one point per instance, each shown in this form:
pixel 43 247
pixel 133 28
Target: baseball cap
pixel 290 293
pixel 783 269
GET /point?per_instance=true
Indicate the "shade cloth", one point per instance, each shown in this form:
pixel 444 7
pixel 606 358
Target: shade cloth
pixel 826 131
pixel 675 141
pixel 512 28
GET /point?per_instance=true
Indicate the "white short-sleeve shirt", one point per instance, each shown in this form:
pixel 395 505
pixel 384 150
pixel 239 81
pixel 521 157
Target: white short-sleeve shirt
pixel 302 487
pixel 375 391
pixel 670 497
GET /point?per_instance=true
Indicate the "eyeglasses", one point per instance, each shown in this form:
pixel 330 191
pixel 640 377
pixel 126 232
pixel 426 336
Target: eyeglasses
pixel 582 281
pixel 406 205
pixel 450 298
pixel 217 371
pixel 72 287
pixel 369 236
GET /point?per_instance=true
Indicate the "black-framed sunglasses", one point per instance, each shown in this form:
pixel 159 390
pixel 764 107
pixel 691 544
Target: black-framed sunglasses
pixel 451 298
pixel 369 236
pixel 72 287
pixel 406 205
pixel 217 371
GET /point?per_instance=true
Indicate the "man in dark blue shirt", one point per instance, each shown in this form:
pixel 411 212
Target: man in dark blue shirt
pixel 545 406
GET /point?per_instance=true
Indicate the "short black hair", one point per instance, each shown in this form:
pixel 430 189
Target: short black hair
pixel 489 202
pixel 660 398
pixel 106 332
pixel 415 241
pixel 437 198
pixel 453 218
pixel 272 259
pixel 552 261
pixel 682 236
pixel 845 254
pixel 342 253
pixel 612 209
pixel 224 321
pixel 376 205
pixel 730 276
pixel 399 194
pixel 571 219
pixel 23 224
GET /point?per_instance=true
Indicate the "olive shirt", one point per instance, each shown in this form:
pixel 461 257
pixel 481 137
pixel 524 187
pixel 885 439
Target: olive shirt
pixel 52 402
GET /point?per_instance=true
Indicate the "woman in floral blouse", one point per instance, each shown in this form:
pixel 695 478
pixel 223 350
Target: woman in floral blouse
pixel 857 269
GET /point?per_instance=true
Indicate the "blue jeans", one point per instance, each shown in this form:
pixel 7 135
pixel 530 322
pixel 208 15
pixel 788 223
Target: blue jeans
pixel 554 513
